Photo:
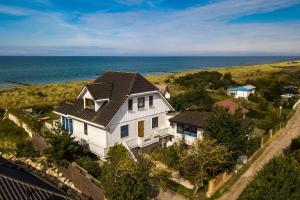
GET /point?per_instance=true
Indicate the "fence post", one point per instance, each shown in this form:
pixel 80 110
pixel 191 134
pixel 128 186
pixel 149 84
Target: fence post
pixel 262 142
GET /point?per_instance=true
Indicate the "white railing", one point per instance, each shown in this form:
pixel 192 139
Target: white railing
pixel 129 151
pixel 96 149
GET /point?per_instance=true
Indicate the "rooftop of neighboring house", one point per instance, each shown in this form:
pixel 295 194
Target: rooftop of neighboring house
pixel 242 88
pixel 16 183
pixel 194 118
pixel 115 87
pixel 200 119
pixel 232 106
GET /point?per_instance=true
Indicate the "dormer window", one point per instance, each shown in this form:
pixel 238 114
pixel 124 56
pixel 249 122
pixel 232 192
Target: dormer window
pixel 141 102
pixel 89 103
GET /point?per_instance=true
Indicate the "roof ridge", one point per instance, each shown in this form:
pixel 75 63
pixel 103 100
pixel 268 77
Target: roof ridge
pixel 131 86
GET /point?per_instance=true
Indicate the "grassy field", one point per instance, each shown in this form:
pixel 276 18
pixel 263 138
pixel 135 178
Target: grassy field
pixel 55 94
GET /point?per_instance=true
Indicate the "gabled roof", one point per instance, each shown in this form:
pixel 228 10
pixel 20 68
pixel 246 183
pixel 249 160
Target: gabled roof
pixel 242 88
pixel 231 106
pixel 16 183
pixel 195 118
pixel 115 85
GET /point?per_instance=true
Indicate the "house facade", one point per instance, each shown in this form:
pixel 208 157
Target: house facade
pixel 188 125
pixel 241 92
pixel 117 108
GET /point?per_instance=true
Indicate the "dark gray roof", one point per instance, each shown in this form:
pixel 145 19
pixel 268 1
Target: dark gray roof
pixel 121 85
pixel 195 118
pixel 100 90
pixel 16 183
pixel 199 119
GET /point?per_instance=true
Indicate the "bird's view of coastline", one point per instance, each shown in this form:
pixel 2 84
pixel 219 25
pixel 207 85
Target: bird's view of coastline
pixel 150 100
pixel 30 70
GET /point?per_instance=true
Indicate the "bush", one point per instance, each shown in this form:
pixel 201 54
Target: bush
pixel 277 180
pixel 63 148
pixel 26 149
pixel 2 112
pixel 124 179
pixel 295 144
pixel 199 99
pixel 168 156
pixel 91 166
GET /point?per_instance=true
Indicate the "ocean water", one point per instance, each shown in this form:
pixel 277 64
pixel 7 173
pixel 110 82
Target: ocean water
pixel 39 70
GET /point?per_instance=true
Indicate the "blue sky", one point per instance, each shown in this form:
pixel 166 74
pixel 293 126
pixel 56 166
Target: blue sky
pixel 150 27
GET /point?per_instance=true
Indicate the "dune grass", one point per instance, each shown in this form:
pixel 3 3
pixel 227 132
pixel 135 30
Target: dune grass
pixel 55 94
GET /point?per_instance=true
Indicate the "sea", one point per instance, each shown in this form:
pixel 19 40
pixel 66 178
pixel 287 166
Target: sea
pixel 31 70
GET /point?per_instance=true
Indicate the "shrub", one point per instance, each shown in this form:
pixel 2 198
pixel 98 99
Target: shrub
pixel 2 112
pixel 63 148
pixel 168 156
pixel 26 149
pixel 199 99
pixel 277 180
pixel 124 179
pixel 91 166
pixel 295 144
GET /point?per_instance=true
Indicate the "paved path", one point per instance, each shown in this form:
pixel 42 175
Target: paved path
pixel 279 142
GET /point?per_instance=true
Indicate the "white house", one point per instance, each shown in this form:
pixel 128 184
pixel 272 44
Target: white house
pixel 241 92
pixel 188 125
pixel 117 108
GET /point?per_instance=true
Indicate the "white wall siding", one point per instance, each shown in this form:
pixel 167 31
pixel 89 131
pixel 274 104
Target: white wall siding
pixel 96 136
pixel 124 116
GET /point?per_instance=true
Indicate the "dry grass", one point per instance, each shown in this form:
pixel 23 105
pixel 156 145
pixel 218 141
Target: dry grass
pixel 51 94
pixel 239 73
pixel 55 94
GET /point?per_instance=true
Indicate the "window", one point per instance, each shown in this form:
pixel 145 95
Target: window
pixel 180 128
pixel 130 104
pixel 124 131
pixel 154 122
pixel 71 125
pixel 85 129
pixel 150 101
pixel 141 102
pixel 89 103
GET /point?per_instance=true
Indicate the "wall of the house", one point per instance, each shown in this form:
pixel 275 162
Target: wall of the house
pixel 96 137
pixel 124 117
pixel 187 138
pixel 241 94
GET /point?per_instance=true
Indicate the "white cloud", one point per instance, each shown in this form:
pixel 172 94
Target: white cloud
pixel 194 31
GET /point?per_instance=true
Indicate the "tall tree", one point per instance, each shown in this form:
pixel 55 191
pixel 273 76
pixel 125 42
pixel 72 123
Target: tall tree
pixel 62 147
pixel 226 129
pixel 124 179
pixel 204 160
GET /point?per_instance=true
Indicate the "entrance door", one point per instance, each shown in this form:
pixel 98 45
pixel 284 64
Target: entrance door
pixel 141 128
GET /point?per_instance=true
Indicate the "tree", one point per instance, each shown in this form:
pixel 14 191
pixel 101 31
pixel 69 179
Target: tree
pixel 62 147
pixel 277 180
pixel 124 179
pixel 204 160
pixel 226 129
pixel 199 99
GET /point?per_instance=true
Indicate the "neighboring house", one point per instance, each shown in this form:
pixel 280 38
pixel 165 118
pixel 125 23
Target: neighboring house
pixel 232 107
pixel 17 184
pixel 164 90
pixel 117 108
pixel 188 124
pixel 241 92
